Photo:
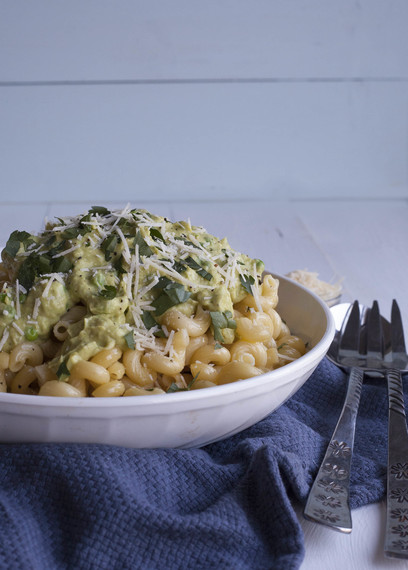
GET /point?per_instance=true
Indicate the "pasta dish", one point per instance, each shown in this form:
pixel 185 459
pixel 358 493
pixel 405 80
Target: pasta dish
pixel 126 303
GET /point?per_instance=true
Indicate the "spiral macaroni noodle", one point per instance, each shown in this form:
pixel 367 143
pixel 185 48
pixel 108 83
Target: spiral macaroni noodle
pixel 263 343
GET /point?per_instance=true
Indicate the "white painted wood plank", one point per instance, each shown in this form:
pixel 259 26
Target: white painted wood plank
pixel 185 39
pixel 204 141
pixel 366 243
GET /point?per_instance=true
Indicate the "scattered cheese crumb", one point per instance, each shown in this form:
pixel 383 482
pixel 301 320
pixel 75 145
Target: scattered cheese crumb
pixel 17 328
pixel 4 338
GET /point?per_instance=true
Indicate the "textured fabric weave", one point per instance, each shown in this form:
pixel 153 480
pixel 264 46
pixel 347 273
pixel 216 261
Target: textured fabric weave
pixel 228 505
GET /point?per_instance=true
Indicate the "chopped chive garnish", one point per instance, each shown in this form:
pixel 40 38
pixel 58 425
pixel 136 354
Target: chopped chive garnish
pixel 150 322
pixel 109 292
pixel 174 388
pixel 101 210
pixel 179 267
pixel 31 333
pixel 62 371
pixel 118 265
pixel 129 339
pixel 109 245
pixel 246 282
pixel 172 294
pixel 61 265
pixel 221 320
pixel 156 234
pixel 16 238
pixel 71 233
pixel 198 269
pixel 144 249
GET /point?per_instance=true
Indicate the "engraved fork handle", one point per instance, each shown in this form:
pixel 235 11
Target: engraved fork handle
pixel 329 498
pixel 396 531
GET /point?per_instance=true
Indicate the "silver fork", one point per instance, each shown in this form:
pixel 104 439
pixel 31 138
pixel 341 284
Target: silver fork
pixel 392 363
pixel 328 502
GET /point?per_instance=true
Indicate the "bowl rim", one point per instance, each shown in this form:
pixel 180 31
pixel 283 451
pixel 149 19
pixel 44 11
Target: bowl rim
pixel 201 398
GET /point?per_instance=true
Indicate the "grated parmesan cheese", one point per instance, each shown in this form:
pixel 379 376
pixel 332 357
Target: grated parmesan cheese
pixel 329 292
pixel 48 286
pixel 150 258
pixel 36 308
pixel 169 343
pixel 18 308
pixel 4 338
pixel 17 328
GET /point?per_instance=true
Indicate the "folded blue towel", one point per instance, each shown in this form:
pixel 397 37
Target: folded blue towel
pixel 228 505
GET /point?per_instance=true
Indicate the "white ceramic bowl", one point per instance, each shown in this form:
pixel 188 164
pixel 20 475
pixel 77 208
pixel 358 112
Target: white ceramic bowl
pixel 182 419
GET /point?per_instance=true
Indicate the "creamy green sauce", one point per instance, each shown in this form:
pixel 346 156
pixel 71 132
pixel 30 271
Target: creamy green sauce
pixel 127 269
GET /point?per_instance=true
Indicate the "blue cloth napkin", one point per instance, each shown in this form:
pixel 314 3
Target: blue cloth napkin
pixel 228 505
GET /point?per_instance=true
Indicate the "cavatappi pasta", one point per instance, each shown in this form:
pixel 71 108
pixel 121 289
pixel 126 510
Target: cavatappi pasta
pixel 125 303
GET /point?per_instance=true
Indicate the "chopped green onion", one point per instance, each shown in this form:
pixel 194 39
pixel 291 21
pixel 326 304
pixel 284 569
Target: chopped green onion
pixel 109 292
pixel 61 265
pixel 172 294
pixel 174 388
pixel 31 333
pixel 118 265
pixel 71 233
pixel 150 322
pixel 144 249
pixel 16 238
pixel 179 267
pixel 198 269
pixel 156 234
pixel 109 245
pixel 247 281
pixel 130 340
pixel 28 271
pixel 35 265
pixel 222 320
pixel 101 210
pixel 62 371
pixel 9 311
pixel 163 282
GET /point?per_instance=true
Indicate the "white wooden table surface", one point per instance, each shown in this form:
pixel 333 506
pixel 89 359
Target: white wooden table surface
pixel 362 241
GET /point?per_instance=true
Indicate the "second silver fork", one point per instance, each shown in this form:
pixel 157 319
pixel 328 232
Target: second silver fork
pixel 392 360
pixel 328 501
pixel 396 534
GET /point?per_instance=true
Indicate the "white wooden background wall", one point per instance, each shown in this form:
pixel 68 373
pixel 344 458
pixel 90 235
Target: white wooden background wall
pixel 215 99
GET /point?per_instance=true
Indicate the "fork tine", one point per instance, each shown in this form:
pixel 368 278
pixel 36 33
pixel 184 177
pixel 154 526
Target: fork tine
pixel 399 357
pixel 374 334
pixel 350 332
pixel 397 330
